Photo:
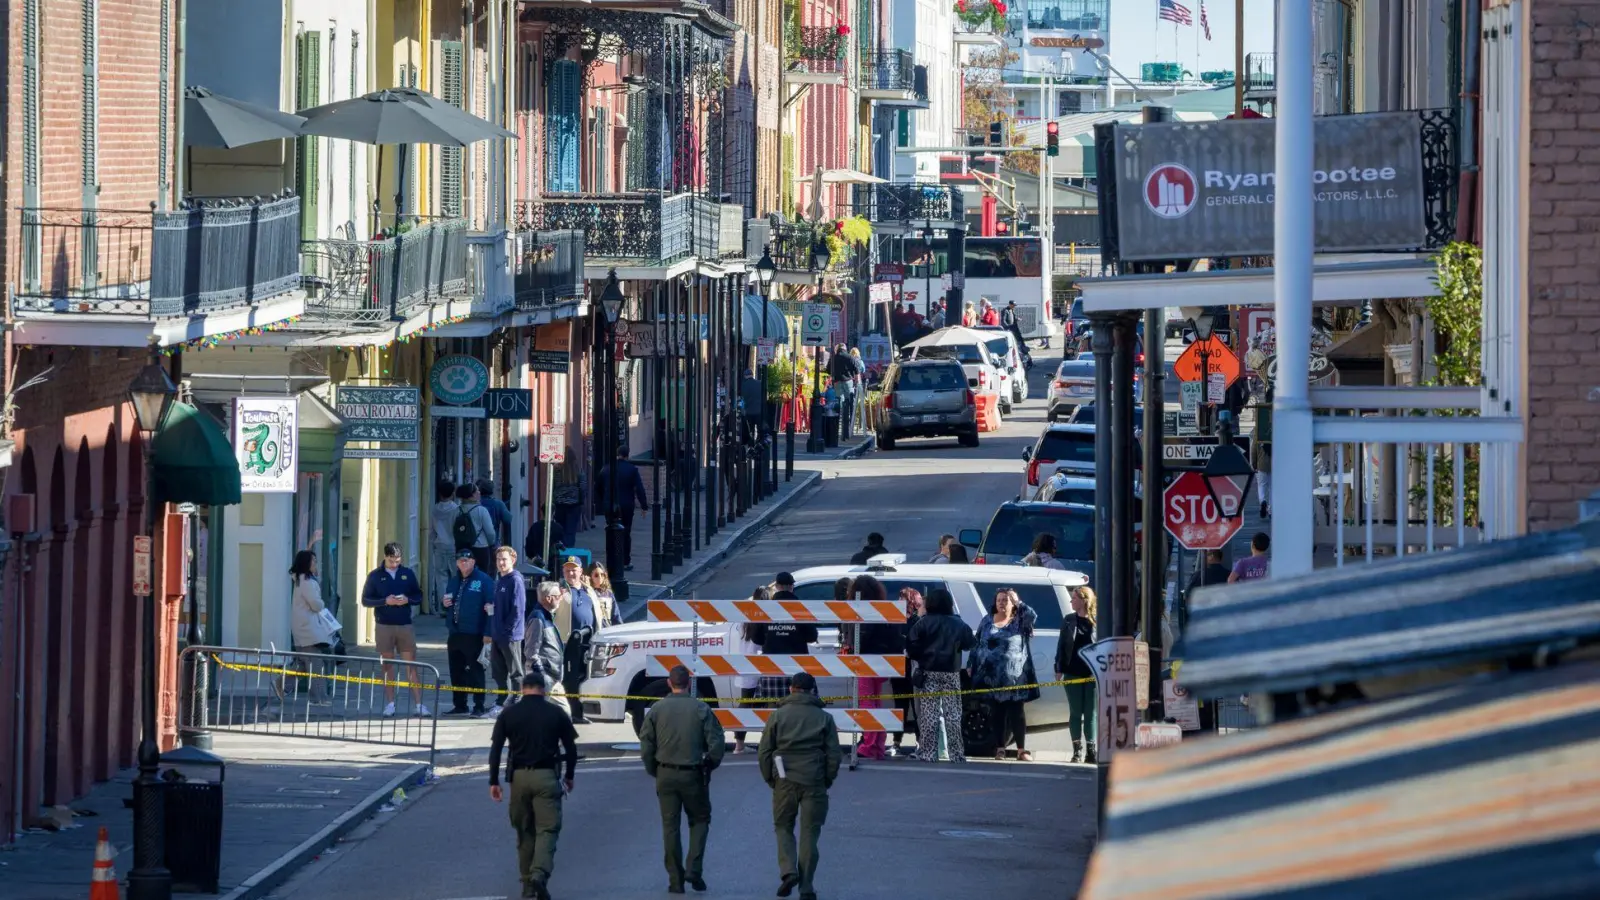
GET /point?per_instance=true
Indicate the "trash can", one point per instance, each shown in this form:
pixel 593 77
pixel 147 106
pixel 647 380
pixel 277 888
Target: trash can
pixel 830 430
pixel 192 779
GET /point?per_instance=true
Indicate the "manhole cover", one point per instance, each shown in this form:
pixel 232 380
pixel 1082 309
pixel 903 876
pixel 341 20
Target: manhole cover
pixel 276 805
pixel 626 748
pixel 977 835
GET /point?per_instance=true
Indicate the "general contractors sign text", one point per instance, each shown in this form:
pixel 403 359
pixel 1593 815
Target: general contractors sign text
pixel 1188 190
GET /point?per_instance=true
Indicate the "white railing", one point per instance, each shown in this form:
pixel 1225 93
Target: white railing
pixel 1399 470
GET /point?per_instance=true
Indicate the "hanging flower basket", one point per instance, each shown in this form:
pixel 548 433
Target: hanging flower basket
pixel 975 14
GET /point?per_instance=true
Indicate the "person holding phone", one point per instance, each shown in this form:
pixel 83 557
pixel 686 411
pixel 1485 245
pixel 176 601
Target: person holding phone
pixel 391 590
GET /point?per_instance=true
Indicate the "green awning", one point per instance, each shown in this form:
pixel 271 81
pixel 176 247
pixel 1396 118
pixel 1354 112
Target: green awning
pixel 193 460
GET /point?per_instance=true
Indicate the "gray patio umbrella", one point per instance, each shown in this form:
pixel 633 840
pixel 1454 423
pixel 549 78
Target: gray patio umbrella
pixel 212 120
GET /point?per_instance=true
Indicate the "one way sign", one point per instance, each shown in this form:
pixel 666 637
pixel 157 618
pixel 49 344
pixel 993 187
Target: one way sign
pixel 1193 452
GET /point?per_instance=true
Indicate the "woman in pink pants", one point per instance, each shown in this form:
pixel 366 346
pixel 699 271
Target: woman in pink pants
pixel 885 640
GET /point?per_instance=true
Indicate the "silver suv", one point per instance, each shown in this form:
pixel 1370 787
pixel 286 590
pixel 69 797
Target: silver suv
pixel 926 398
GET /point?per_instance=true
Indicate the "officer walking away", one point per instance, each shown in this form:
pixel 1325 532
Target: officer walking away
pixel 541 737
pixel 630 491
pixel 681 742
pixel 799 757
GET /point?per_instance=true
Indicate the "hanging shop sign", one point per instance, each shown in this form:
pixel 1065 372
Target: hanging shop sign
pixel 1076 42
pixel 266 443
pixel 508 403
pixel 549 361
pixel 889 273
pixel 388 414
pixel 458 379
pixel 1187 190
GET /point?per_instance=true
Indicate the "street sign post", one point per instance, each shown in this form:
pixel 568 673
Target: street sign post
pixel 1218 358
pixel 141 566
pixel 1112 661
pixel 766 351
pixel 881 292
pixel 1182 451
pixel 814 325
pixel 553 444
pixel 1194 519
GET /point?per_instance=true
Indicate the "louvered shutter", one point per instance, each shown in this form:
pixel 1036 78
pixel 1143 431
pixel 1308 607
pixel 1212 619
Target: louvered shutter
pixel 602 150
pixel 90 149
pixel 308 93
pixel 450 91
pixel 562 111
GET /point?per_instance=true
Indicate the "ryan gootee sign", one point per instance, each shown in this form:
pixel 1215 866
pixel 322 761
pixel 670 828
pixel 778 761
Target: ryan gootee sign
pixel 1196 189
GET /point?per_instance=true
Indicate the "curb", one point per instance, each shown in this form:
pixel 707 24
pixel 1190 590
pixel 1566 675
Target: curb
pixel 282 868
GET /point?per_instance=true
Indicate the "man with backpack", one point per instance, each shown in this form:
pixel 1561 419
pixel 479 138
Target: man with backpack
pixel 473 528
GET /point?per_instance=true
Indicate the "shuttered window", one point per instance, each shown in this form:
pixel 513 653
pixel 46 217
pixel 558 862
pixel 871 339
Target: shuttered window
pixel 308 93
pixel 562 111
pixel 451 74
pixel 90 149
pixel 602 150
pixel 355 65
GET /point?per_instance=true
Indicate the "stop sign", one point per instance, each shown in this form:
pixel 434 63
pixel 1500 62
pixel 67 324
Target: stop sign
pixel 1192 517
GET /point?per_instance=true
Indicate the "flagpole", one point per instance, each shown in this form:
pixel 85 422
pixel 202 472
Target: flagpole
pixel 1238 58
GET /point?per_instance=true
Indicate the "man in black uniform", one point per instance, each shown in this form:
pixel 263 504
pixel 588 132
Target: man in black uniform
pixel 782 639
pixel 540 736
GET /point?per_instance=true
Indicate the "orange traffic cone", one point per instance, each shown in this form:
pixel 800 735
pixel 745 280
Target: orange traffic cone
pixel 104 884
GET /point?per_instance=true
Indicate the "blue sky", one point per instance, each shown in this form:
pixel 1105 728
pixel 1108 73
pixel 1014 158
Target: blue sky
pixel 1138 36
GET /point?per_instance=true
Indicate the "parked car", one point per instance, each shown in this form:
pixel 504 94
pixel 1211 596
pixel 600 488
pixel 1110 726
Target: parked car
pixel 926 398
pixel 1003 346
pixel 1073 385
pixel 1063 448
pixel 985 371
pixel 1064 487
pixel 1015 524
pixel 1085 415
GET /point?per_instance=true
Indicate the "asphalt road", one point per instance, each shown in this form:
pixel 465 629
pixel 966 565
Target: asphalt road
pixel 896 828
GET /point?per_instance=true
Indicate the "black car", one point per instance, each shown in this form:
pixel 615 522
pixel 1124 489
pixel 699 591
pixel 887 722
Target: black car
pixel 1014 526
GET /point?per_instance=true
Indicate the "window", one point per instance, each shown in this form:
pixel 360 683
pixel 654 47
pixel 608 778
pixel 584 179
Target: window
pixel 930 378
pixel 1012 531
pixel 1075 370
pixel 451 92
pixel 965 353
pixel 1041 598
pixel 1066 446
pixel 562 126
pixel 308 93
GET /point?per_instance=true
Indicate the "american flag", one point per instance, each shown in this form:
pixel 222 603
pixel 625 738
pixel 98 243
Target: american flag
pixel 1205 23
pixel 1173 11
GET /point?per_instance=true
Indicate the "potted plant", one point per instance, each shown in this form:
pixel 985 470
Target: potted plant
pixel 975 14
pixel 850 231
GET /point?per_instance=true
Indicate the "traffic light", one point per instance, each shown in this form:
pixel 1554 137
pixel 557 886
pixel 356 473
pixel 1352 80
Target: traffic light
pixel 997 134
pixel 1052 139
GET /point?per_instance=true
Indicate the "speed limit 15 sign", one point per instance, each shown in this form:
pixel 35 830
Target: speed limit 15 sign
pixel 1112 661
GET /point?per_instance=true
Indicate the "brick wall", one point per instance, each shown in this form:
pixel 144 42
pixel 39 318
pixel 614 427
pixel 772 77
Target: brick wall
pixel 1563 353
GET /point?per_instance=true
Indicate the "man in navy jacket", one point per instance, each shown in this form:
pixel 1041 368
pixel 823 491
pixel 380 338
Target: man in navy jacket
pixel 469 605
pixel 391 590
pixel 505 627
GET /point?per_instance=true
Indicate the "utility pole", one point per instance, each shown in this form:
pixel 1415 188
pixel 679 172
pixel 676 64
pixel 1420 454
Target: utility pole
pixel 1047 211
pixel 1238 58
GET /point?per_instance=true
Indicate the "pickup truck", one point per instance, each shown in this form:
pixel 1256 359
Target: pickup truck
pixel 619 657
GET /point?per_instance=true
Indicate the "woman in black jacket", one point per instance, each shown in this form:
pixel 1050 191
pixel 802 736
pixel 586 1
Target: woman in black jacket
pixel 937 644
pixel 1069 665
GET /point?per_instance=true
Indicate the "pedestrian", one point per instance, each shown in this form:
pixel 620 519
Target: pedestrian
pixel 937 644
pixel 957 553
pixel 873 548
pixel 473 528
pixel 541 739
pixel 508 613
pixel 390 591
pixel 842 369
pixel 969 316
pixel 442 541
pixel 468 603
pixel 1215 571
pixel 936 321
pixel 901 687
pixel 1261 454
pixel 799 759
pixel 1071 666
pixel 629 485
pixel 542 647
pixel 1002 665
pixel 571 490
pixel 943 556
pixel 499 512
pixel 782 587
pixel 581 632
pixel 783 639
pixel 876 640
pixel 681 742
pixel 606 611
pixel 309 628
pixel 749 685
pixel 1256 564
pixel 991 316
pixel 1044 552
pixel 1009 320
pixel 533 543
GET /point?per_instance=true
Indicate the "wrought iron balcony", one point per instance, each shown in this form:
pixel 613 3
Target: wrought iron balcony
pixel 889 75
pixel 1260 76
pixel 908 204
pixel 207 256
pixel 547 268
pixel 815 54
pixel 790 244
pixel 648 229
pixel 365 284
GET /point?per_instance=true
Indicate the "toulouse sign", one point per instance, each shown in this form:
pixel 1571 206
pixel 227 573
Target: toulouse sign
pixel 1187 190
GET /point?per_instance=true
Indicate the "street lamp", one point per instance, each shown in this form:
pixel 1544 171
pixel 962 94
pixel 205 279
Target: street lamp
pixel 151 394
pixel 611 300
pixel 766 271
pixel 815 442
pixel 1226 466
pixel 1202 323
pixel 820 255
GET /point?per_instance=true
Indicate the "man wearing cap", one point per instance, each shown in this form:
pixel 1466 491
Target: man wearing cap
pixel 681 742
pixel 782 639
pixel 585 616
pixel 468 601
pixel 799 758
pixel 542 738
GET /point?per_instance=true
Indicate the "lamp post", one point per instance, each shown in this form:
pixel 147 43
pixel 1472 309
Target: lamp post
pixel 766 271
pixel 151 394
pixel 814 441
pixel 611 300
pixel 1202 323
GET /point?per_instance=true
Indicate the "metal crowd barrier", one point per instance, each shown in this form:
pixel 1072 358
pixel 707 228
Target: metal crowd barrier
pixel 308 695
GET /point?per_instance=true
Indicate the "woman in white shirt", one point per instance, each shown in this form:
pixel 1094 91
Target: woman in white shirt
pixel 749 685
pixel 308 627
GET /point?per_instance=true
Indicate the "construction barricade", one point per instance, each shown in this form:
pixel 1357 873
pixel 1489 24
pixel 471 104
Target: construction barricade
pixel 988 411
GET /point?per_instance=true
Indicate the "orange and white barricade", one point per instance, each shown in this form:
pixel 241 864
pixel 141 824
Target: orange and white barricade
pixel 837 666
pixel 852 721
pixel 811 612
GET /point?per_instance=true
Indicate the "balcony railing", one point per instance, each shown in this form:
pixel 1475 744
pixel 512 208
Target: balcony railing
pixel 367 283
pixel 888 70
pixel 547 268
pixel 908 203
pixel 207 256
pixel 790 244
pixel 1260 74
pixel 653 229
pixel 816 49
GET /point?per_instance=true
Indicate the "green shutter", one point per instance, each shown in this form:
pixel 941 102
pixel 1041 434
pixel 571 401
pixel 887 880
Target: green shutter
pixel 451 75
pixel 602 151
pixel 308 93
pixel 90 140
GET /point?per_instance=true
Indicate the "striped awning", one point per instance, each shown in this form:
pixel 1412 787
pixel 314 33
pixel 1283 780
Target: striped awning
pixel 1486 603
pixel 1488 789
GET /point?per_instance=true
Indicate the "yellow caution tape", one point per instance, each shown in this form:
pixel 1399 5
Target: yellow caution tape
pixel 751 701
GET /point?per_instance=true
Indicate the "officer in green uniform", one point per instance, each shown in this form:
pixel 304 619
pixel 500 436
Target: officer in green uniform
pixel 799 758
pixel 540 735
pixel 681 742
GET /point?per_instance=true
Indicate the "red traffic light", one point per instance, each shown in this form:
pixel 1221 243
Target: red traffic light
pixel 1052 128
